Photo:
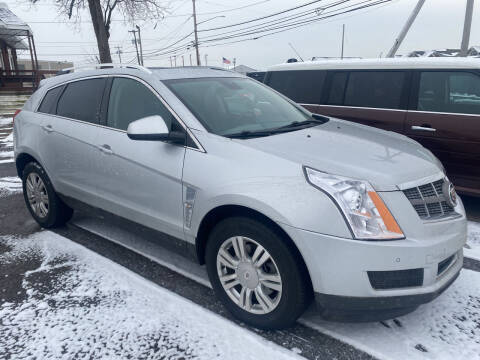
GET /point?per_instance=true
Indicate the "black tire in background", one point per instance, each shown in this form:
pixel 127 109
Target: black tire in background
pixel 296 289
pixel 58 212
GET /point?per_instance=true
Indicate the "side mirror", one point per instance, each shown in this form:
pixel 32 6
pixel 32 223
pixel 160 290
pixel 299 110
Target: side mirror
pixel 153 128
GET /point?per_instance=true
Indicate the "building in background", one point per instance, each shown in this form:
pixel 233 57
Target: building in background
pixel 20 75
pixel 25 64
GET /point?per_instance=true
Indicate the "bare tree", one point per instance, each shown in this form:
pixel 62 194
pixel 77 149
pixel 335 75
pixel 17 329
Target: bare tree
pixel 101 12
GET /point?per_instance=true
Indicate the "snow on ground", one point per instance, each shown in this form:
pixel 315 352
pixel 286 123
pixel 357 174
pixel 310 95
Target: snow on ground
pixel 5 121
pixel 6 154
pixel 10 185
pixel 447 328
pixel 79 304
pixel 8 141
pixel 472 249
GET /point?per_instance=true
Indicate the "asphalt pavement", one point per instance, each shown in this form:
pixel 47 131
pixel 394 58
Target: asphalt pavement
pixel 15 220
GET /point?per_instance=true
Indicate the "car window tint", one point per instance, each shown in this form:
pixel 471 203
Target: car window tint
pixel 130 100
pixel 375 89
pixel 49 102
pixel 232 105
pixel 302 86
pixel 452 92
pixel 81 100
pixel 337 88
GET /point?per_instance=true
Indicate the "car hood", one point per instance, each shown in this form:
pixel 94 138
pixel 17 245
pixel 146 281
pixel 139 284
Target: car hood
pixel 386 159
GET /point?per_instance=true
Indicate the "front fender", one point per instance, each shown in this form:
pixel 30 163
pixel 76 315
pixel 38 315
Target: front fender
pixel 289 201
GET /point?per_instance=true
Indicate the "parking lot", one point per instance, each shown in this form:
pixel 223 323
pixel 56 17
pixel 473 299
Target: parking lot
pixel 90 290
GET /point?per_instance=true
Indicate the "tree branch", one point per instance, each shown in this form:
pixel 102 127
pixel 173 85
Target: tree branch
pixel 70 10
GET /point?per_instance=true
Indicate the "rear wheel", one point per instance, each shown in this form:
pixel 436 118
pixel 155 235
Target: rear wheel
pixel 44 205
pixel 256 274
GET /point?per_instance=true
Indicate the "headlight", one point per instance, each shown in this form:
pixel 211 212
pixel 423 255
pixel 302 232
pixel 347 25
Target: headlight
pixel 364 210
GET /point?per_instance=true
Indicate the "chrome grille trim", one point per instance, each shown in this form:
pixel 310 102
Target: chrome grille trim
pixel 429 201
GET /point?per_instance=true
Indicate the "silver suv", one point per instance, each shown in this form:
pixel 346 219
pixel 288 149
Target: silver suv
pixel 282 205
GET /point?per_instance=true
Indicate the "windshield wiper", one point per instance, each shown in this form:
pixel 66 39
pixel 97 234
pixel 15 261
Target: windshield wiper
pixel 249 134
pixel 315 120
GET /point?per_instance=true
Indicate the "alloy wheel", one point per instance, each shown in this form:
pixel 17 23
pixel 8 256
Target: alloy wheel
pixel 249 275
pixel 37 195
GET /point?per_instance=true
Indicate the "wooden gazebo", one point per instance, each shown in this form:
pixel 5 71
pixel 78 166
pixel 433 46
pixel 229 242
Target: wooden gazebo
pixel 15 35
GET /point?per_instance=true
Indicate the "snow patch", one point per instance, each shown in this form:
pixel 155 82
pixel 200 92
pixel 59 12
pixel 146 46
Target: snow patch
pixel 6 154
pixel 6 121
pixel 8 141
pixel 6 161
pixel 447 328
pixel 10 185
pixel 95 308
pixel 472 248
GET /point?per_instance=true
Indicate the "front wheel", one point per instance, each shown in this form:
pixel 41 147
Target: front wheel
pixel 44 205
pixel 256 273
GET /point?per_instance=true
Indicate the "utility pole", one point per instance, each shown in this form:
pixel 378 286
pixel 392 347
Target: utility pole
pixel 343 40
pixel 134 32
pixel 171 64
pixel 119 52
pixel 406 27
pixel 140 43
pixel 183 61
pixel 467 25
pixel 205 59
pixel 195 32
pixel 190 59
pixel 234 63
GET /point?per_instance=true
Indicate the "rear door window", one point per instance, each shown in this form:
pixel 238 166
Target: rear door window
pixel 449 91
pixel 302 86
pixel 130 100
pixel 81 100
pixel 49 102
pixel 375 89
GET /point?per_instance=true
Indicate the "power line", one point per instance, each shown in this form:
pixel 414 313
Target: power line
pixel 279 29
pixel 262 17
pixel 249 21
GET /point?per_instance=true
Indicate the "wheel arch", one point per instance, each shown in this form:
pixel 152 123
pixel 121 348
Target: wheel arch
pixel 22 160
pixel 219 213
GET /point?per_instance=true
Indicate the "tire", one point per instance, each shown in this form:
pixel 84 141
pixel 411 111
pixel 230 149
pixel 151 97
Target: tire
pixel 54 214
pixel 289 300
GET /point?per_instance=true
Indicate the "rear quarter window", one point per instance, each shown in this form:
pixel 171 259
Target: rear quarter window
pixel 49 102
pixel 302 86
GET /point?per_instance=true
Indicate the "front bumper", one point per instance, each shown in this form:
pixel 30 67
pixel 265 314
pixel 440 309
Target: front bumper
pixel 363 309
pixel 340 266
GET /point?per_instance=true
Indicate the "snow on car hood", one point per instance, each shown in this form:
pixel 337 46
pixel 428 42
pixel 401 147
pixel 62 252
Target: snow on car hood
pixel 386 159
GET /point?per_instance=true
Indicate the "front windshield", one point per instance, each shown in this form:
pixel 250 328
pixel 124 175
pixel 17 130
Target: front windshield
pixel 227 106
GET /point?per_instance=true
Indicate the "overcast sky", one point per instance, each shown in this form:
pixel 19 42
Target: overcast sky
pixel 369 33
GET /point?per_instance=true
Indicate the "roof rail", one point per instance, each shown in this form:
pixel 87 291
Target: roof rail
pixel 101 66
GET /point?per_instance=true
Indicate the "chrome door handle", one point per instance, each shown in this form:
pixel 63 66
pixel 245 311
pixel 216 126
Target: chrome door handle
pixel 47 128
pixel 423 128
pixel 106 149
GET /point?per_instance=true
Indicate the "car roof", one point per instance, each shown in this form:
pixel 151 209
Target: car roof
pixel 184 72
pixel 374 64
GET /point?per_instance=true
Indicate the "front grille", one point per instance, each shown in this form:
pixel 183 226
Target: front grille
pixel 443 265
pixel 429 201
pixel 382 280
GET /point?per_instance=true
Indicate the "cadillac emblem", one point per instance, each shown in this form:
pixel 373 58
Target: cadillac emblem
pixel 449 193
